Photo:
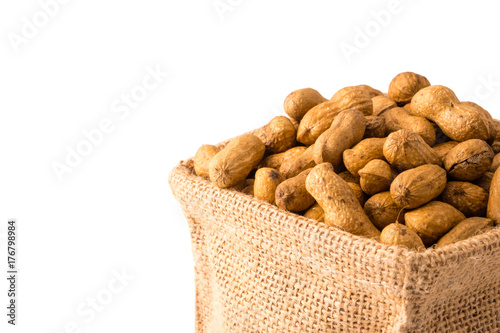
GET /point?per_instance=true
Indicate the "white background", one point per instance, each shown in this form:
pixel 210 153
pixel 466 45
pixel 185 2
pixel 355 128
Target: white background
pixel 229 72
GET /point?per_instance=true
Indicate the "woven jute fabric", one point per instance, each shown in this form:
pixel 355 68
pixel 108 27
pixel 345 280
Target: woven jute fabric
pixel 261 269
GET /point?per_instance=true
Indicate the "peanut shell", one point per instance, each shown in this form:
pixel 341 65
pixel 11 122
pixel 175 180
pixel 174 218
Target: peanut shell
pixel 495 164
pixel 458 121
pixel 398 118
pixel 202 159
pixel 319 118
pixel 346 130
pixel 493 208
pixel 298 102
pixel 349 177
pixel 405 85
pixel 405 150
pixel 382 210
pixel 484 181
pixel 433 221
pixel 316 213
pixel 369 90
pixel 294 165
pixel 358 192
pixel 381 104
pixel 398 234
pixel 416 187
pixel 266 181
pixel 278 135
pixel 342 208
pixel 442 149
pixel 375 127
pixel 365 151
pixel 376 177
pixel 292 195
pixel 274 161
pixel 468 198
pixel 469 160
pixel 232 164
pixel 467 228
pixel 249 190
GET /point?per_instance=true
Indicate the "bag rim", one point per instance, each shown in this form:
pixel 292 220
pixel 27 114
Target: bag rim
pixel 431 257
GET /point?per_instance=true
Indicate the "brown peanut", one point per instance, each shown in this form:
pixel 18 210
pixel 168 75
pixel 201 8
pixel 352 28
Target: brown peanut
pixel 232 164
pixel 298 102
pixel 278 135
pixel 342 208
pixel 433 221
pixel 398 234
pixel 274 161
pixel 381 104
pixel 376 177
pixel 319 118
pixel 294 165
pixel 347 129
pixel 266 182
pixel 467 228
pixel 469 160
pixel 405 85
pixel 375 127
pixel 442 149
pixel 292 195
pixel 493 208
pixel 405 150
pixel 415 187
pixel 365 151
pixel 398 118
pixel 382 210
pixel 468 198
pixel 316 213
pixel 459 121
pixel 202 159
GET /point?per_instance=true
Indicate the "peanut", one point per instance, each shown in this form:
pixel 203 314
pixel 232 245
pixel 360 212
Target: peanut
pixel 298 102
pixel 233 163
pixel 342 208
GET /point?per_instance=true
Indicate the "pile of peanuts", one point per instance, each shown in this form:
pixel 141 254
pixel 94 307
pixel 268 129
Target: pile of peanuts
pixel 415 167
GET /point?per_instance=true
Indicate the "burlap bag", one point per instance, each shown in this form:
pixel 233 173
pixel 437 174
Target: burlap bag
pixel 262 269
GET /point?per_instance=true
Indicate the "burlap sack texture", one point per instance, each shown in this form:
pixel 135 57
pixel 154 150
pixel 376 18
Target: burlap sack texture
pixel 261 269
